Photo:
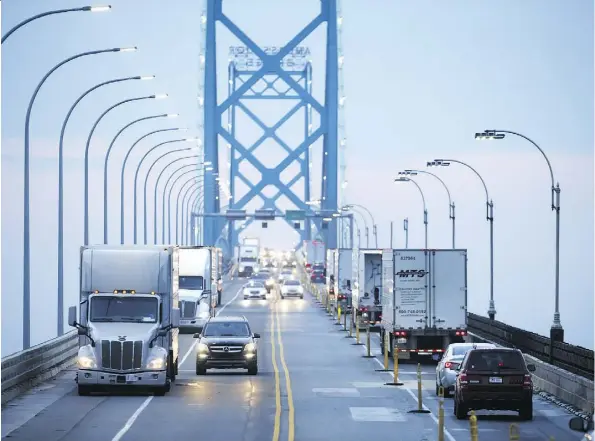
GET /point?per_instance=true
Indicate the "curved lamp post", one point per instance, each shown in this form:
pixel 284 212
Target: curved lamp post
pixel 140 163
pixel 88 146
pixel 164 187
pixel 423 199
pixel 184 218
pixel 374 226
pixel 195 209
pixel 55 12
pixel 451 204
pixel 191 197
pixel 107 155
pixel 175 181
pixel 556 330
pixel 489 217
pixel 182 193
pixel 351 208
pixel 61 192
pixel 122 211
pixel 26 191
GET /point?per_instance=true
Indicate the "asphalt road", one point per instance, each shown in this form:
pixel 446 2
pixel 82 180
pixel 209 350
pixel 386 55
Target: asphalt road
pixel 313 384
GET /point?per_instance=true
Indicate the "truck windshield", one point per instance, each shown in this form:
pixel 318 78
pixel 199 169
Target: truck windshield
pixel 124 309
pixel 230 329
pixel 248 259
pixel 191 282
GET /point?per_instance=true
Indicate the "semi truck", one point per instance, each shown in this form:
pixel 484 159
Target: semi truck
pixel 331 268
pixel 248 260
pixel 199 286
pixel 367 286
pixel 314 253
pixel 424 301
pixel 129 318
pixel 343 276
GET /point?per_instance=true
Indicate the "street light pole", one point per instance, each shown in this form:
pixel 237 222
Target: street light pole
pixel 556 330
pixel 374 226
pixel 26 191
pixel 55 12
pixel 185 213
pixel 489 217
pixel 175 181
pixel 406 228
pixel 451 205
pixel 105 169
pixel 424 203
pixel 182 192
pixel 122 210
pixel 61 193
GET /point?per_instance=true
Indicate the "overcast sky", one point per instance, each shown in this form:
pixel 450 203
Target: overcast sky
pixel 420 80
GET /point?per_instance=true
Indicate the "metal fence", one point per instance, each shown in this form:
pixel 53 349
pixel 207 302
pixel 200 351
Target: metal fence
pixel 575 359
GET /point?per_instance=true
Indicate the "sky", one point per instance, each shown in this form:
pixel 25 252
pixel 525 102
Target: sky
pixel 419 80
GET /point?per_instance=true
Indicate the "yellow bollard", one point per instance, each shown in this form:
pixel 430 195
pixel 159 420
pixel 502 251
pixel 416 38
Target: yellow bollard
pixel 339 315
pixel 473 426
pixel 351 323
pixel 395 381
pixel 345 321
pixel 441 414
pixel 386 345
pixel 356 331
pixel 368 346
pixel 420 405
pixel 514 433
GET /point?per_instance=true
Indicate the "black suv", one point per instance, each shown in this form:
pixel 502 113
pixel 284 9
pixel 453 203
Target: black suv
pixel 494 379
pixel 227 343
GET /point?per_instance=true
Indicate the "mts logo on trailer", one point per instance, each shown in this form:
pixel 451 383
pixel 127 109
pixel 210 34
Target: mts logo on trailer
pixel 412 273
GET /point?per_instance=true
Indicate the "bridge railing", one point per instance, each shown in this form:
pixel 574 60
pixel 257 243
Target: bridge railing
pixel 27 368
pixel 571 358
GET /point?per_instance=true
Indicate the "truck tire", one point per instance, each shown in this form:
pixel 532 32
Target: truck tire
pixel 219 298
pixel 161 391
pixel 253 370
pixel 200 370
pixel 84 390
pixel 171 367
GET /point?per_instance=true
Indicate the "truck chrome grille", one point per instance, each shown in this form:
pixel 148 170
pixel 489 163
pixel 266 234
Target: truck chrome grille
pixel 121 355
pixel 232 349
pixel 188 309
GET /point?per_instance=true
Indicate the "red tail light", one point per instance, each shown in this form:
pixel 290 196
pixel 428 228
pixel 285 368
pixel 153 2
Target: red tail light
pixel 379 317
pixel 463 378
pixel 461 333
pixel 400 333
pixel 364 309
pixel 527 381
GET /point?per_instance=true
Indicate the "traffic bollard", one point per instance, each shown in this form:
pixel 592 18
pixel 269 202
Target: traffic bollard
pixel 338 323
pixel 368 343
pixel 357 333
pixel 385 345
pixel 514 433
pixel 345 321
pixel 420 406
pixel 350 325
pixel 395 381
pixel 441 414
pixel 473 426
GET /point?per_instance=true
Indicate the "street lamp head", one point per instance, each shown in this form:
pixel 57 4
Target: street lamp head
pixel 105 8
pixel 207 163
pixel 402 179
pixel 489 134
pixel 209 168
pixel 182 129
pixel 128 49
pixel 438 163
pixel 173 115
pixel 146 77
pixel 160 96
pixel 190 139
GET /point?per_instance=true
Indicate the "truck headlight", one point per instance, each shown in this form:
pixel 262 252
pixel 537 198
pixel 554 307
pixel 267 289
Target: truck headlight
pixel 156 363
pixel 157 358
pixel 86 358
pixel 201 347
pixel 250 347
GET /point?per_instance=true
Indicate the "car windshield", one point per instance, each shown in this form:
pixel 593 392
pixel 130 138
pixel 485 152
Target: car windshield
pixel 260 276
pixel 463 349
pixel 494 360
pixel 124 309
pixel 226 329
pixel 254 285
pixel 191 282
pixel 292 282
pixel 286 273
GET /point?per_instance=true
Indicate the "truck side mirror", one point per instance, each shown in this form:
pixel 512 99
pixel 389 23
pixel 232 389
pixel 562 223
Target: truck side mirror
pixel 531 367
pixel 196 335
pixel 577 424
pixel 175 317
pixel 256 335
pixel 72 316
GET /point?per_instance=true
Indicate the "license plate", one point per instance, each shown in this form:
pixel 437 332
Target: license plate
pixel 184 322
pixel 130 377
pixel 495 380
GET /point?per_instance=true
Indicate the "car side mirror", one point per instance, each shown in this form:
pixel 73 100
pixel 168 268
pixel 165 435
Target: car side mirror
pixel 578 424
pixel 72 316
pixel 175 317
pixel 531 367
pixel 256 335
pixel 197 335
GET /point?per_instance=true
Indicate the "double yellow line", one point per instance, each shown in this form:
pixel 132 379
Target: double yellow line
pixel 277 340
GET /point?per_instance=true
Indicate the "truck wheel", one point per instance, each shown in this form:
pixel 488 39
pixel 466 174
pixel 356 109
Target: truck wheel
pixel 161 391
pixel 253 370
pixel 177 366
pixel 171 368
pixel 219 299
pixel 200 370
pixel 84 390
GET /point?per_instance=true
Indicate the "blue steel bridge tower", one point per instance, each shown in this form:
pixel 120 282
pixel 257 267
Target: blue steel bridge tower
pixel 297 87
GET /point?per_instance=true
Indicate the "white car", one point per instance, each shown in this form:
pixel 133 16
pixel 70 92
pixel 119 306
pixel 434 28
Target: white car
pixel 255 290
pixel 292 288
pixel 446 374
pixel 285 274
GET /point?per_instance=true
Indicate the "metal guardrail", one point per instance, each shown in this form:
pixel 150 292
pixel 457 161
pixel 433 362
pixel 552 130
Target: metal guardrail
pixel 571 358
pixel 34 365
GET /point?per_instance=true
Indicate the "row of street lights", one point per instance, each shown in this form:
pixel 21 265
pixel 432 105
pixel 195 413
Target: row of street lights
pixel 27 178
pixel 556 331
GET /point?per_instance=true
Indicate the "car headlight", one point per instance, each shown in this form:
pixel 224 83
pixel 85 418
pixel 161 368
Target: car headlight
pixel 201 347
pixel 157 359
pixel 86 358
pixel 300 289
pixel 250 347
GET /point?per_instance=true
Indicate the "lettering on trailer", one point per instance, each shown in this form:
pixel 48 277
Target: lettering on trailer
pixel 245 59
pixel 412 273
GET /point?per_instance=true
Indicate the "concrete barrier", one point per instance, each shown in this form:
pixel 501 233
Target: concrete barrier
pixel 28 368
pixel 557 384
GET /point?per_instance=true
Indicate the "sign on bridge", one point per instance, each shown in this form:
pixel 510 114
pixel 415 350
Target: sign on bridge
pixel 245 59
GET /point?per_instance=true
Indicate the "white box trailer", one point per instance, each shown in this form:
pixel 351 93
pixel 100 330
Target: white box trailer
pixel 367 285
pixel 331 258
pixel 343 276
pixel 424 300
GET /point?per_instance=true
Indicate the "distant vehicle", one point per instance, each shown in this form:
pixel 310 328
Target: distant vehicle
pixel 227 343
pixel 579 424
pixel 494 379
pixel 254 290
pixel 317 276
pixel 267 278
pixel 284 275
pixel 292 288
pixel 446 371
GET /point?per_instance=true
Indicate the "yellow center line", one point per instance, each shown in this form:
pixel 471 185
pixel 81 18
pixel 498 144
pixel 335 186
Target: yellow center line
pixel 291 418
pixel 277 426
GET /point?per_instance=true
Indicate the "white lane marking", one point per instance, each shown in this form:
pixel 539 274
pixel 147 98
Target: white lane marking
pixel 132 419
pixel 187 354
pixel 143 406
